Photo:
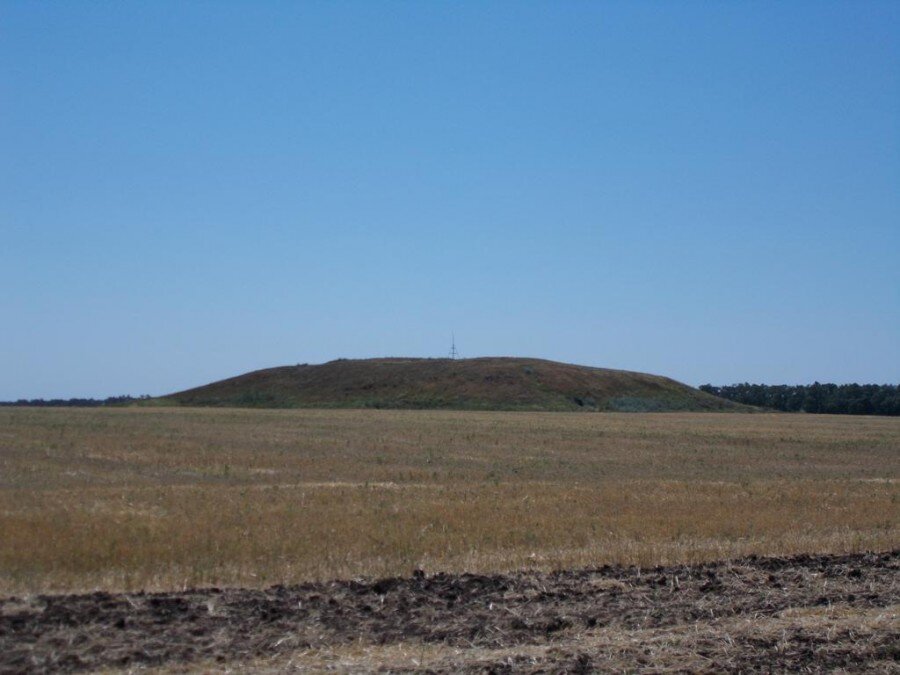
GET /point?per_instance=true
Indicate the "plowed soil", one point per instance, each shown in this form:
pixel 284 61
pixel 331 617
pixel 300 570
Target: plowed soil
pixel 806 613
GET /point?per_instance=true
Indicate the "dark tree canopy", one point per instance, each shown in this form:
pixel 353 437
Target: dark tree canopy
pixel 840 399
pixel 76 402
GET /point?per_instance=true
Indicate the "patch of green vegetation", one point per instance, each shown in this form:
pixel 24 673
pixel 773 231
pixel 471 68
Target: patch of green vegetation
pixel 636 404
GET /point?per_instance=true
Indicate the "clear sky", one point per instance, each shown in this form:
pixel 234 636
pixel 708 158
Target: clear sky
pixel 709 191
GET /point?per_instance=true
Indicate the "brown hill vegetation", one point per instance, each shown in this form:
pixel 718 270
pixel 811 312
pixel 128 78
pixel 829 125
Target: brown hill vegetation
pixel 491 383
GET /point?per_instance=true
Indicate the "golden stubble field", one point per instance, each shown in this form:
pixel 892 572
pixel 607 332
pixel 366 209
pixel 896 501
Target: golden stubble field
pixel 126 499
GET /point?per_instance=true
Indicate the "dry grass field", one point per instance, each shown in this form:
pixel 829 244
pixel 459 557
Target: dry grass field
pixel 163 499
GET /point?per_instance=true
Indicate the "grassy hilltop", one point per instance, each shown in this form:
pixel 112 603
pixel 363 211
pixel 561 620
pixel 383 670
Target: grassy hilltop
pixel 491 383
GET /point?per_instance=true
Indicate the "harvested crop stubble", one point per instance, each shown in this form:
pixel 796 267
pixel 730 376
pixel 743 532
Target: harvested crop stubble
pixel 131 499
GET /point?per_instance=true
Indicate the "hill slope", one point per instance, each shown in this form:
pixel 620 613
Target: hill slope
pixel 466 384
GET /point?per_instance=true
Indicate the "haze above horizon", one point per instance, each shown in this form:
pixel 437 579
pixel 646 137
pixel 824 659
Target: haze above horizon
pixel 191 191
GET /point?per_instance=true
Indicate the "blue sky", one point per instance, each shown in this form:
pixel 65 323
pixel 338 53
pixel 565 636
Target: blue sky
pixel 188 191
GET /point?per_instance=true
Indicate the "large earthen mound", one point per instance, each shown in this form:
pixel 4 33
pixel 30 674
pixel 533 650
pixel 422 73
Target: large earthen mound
pixel 494 383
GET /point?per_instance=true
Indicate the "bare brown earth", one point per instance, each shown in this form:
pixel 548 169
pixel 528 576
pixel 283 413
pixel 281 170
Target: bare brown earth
pixel 802 613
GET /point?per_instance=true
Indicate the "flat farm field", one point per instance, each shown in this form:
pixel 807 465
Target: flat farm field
pixel 165 499
pixel 361 541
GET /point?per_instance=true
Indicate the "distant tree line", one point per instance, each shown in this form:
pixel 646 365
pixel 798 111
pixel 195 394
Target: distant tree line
pixel 840 399
pixel 79 402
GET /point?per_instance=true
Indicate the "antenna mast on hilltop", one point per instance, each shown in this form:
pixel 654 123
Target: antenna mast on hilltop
pixel 453 353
